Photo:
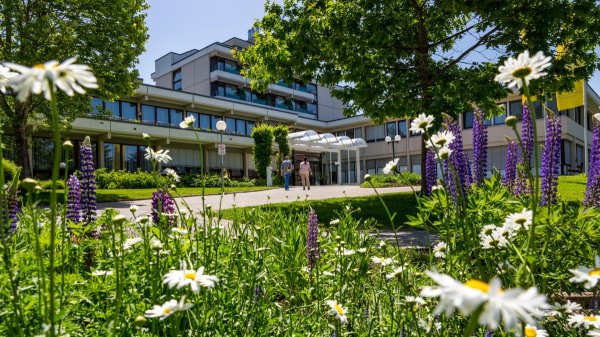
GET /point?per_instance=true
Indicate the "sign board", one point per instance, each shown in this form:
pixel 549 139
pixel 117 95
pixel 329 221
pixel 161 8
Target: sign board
pixel 221 149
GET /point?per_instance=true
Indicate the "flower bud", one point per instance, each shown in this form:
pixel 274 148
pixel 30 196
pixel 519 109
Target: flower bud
pixel 119 218
pixel 28 183
pixel 511 121
pixel 62 165
pixel 133 208
pixel 67 145
pixel 367 177
pixel 156 245
pixel 140 320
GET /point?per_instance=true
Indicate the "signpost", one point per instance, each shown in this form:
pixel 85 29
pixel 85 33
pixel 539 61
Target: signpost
pixel 221 149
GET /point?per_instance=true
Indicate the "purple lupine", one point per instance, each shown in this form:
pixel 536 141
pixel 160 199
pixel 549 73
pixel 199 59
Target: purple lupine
pixel 480 144
pixel 312 244
pixel 12 200
pixel 430 171
pixel 74 199
pixel 460 162
pixel 87 183
pixel 551 161
pixel 167 206
pixel 592 193
pixel 521 185
pixel 510 166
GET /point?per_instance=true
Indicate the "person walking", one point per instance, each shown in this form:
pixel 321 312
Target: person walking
pixel 305 173
pixel 286 171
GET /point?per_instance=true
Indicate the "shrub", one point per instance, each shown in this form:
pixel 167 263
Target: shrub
pixel 214 180
pixel 124 179
pixel 263 142
pixel 394 180
pixel 47 184
pixel 10 169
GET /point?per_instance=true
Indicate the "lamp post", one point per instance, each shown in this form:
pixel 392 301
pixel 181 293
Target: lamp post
pixel 388 140
pixel 221 127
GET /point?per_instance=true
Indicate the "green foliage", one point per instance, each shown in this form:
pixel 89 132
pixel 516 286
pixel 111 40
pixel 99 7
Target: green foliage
pixel 280 133
pixel 11 169
pixel 125 179
pixel 47 184
pixel 393 180
pixel 213 180
pixel 262 148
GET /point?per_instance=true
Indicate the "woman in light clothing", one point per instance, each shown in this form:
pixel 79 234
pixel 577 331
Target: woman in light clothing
pixel 305 173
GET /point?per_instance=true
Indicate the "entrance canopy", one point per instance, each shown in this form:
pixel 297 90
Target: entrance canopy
pixel 325 142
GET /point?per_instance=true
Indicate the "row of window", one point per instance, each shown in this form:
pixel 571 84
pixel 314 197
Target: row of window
pixel 377 133
pixel 221 89
pixel 156 115
pixel 351 133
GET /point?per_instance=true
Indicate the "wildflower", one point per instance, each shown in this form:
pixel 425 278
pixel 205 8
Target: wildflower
pixel 440 249
pixel 480 144
pixel 338 310
pixel 131 242
pixel 344 251
pixel 159 156
pixel 156 245
pixel 88 182
pixel 395 273
pixel 312 242
pixel 5 76
pixel 144 220
pixel 592 191
pixel 492 241
pixel 440 139
pixel 415 299
pixel 551 161
pixel 194 278
pixel 362 250
pixel 102 272
pixel 167 309
pixel 588 275
pixel 591 321
pixel 520 220
pixel 512 305
pixel 367 177
pixel 533 331
pixel 145 136
pixel 381 243
pixel 510 166
pixel 506 232
pixel 421 124
pixel 460 161
pixel 430 172
pixel 168 206
pixel 487 230
pixel 179 230
pixel 140 320
pixel 518 72
pixel 44 78
pixel 133 208
pixel 392 166
pixel 383 261
pixel 521 186
pixel 569 308
pixel 334 222
pixel 74 199
pixel 187 122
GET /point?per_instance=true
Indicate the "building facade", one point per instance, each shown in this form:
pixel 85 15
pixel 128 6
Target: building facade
pixel 207 84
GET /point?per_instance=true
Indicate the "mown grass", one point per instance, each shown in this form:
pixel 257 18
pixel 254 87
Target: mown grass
pixel 572 188
pixel 107 195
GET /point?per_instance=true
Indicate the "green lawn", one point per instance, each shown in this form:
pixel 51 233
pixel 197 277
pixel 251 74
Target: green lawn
pixel 572 188
pixel 106 195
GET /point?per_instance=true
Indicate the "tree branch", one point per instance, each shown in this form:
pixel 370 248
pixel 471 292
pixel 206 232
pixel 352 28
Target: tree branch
pixel 447 38
pixel 480 42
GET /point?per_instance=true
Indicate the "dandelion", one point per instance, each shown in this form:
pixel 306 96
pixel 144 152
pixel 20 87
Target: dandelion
pixel 382 261
pixel 520 220
pixel 194 278
pixel 187 122
pixel 167 309
pixel 338 310
pixel 440 249
pixel 591 321
pixel 44 78
pixel 588 275
pixel 159 156
pixel 511 305
pixel 421 124
pixel 391 166
pixel 519 71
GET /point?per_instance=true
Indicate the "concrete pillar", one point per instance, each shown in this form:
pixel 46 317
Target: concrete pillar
pixel 100 153
pixel 245 162
pixel 358 180
pixel 339 167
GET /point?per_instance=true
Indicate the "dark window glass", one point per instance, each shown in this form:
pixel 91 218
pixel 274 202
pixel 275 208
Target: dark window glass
pixel 468 120
pixel 240 126
pixel 231 91
pixel 230 125
pixel 358 133
pixel 42 154
pixel 162 116
pixel 204 121
pixel 312 88
pixel 515 108
pixel 131 157
pixel 148 114
pixel 128 111
pixel 96 106
pixel 177 80
pixel 109 156
pixel 402 128
pixel 213 122
pixel 391 129
pixel 249 127
pixel 538 108
pixel 176 117
pixel 112 108
pixel 500 118
pixel 144 165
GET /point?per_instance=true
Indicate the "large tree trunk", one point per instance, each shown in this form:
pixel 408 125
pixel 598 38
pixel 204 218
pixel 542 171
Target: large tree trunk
pixel 22 147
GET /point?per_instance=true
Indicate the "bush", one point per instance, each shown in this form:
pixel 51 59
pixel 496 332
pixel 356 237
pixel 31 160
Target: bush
pixel 394 180
pixel 214 180
pixel 10 169
pixel 47 184
pixel 124 179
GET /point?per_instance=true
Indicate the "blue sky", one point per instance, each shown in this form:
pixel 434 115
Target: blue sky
pixel 181 25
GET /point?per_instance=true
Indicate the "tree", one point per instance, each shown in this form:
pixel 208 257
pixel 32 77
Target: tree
pixel 399 58
pixel 280 133
pixel 262 149
pixel 106 35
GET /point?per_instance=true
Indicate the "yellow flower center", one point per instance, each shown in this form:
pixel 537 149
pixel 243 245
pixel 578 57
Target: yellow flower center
pixel 522 72
pixel 39 66
pixel 590 318
pixel 530 332
pixel 478 285
pixel 190 275
pixel 382 259
pixel 166 311
pixel 339 309
pixel 521 221
pixel 181 229
pixel 595 272
pixel 441 141
pixel 423 125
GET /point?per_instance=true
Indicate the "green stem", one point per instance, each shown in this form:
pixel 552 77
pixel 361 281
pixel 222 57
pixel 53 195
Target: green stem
pixel 474 321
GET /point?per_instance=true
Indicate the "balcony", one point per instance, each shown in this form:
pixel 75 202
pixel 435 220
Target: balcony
pixel 228 75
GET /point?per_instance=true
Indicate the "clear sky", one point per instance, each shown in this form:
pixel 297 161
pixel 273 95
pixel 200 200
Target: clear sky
pixel 181 25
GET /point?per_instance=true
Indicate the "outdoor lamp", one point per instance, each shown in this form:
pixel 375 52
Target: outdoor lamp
pixel 389 141
pixel 221 125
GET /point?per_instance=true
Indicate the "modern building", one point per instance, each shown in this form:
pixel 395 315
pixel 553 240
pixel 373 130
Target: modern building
pixel 207 84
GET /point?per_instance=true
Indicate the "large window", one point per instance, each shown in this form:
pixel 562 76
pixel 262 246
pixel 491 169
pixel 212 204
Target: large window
pixel 148 114
pixel 468 120
pixel 177 80
pixel 391 129
pixel 515 108
pixel 219 63
pixel 176 117
pixel 112 108
pixel 402 128
pixel 375 133
pixel 128 111
pixel 566 156
pixel 162 116
pixel 110 157
pixel 205 122
pixel 500 118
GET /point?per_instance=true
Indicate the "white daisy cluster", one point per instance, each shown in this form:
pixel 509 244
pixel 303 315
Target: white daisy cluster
pixel 171 174
pixel 493 236
pixel 159 156
pixel 519 71
pixel 439 143
pixel 588 275
pixel 511 305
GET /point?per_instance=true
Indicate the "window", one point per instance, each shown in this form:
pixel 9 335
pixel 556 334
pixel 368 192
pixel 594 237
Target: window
pixel 177 80
pixel 176 117
pixel 578 114
pixel 112 108
pixel 148 114
pixel 131 157
pixel 579 157
pixel 128 111
pixel 205 122
pixel 43 152
pixel 391 129
pixel 96 106
pixel 240 126
pixel 375 133
pixel 249 127
pixel 109 156
pixel 515 108
pixel 231 126
pixel 566 156
pixel 358 133
pixel 468 120
pixel 500 118
pixel 213 123
pixel 402 128
pixel 162 116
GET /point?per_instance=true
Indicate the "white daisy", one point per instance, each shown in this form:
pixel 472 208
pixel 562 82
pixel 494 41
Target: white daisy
pixel 520 220
pixel 334 222
pixel 133 208
pixel 362 250
pixel 338 310
pixel 5 76
pixel 344 251
pixel 492 242
pixel 558 309
pixel 395 273
pixel 167 309
pixel 156 245
pixel 144 220
pixel 381 244
pixel 443 153
pixel 507 232
pixel 533 331
pixel 594 333
pixel 160 156
pixel 421 124
pixel 102 272
pixel 584 274
pixel 512 305
pixel 187 122
pixel 194 278
pixel 383 261
pixel 440 139
pixel 487 230
pixel 171 174
pixel 415 299
pixel 131 242
pixel 179 230
pixel 591 321
pixel 44 78
pixel 440 249
pixel 523 68
pixel 392 166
